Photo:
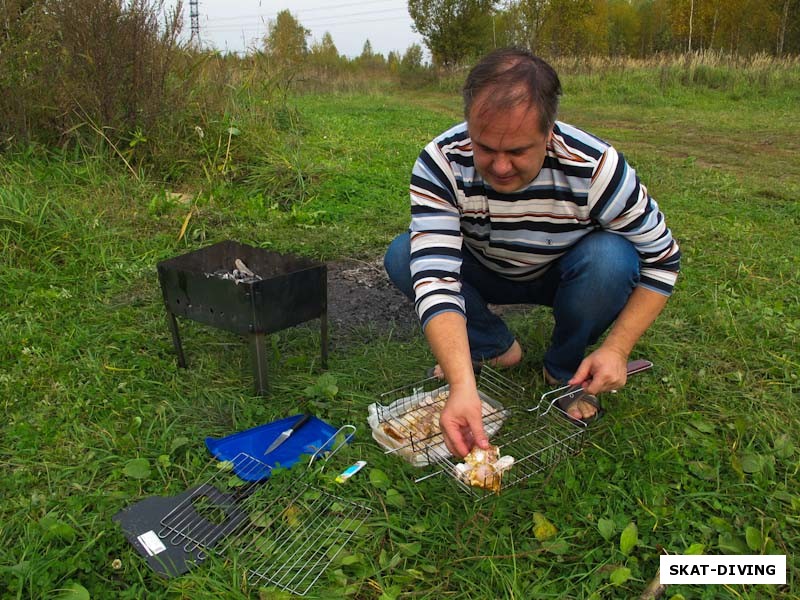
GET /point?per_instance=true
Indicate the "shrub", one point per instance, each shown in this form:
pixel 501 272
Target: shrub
pixel 74 70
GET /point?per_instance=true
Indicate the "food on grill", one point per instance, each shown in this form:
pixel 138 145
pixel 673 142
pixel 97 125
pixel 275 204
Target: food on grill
pixel 484 468
pixel 409 426
pixel 422 421
pixel 419 423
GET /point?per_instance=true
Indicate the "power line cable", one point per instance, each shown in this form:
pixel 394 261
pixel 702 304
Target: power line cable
pixel 315 25
pixel 355 14
pixel 327 18
pixel 261 27
pixel 306 10
pixel 256 28
pixel 320 21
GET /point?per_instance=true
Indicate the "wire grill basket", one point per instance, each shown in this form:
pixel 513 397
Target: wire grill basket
pixel 283 533
pixel 406 422
pixel 536 439
pixel 526 440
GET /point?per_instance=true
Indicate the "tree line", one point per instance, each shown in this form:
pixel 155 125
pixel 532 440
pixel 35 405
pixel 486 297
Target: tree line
pixel 286 42
pixel 115 73
pixel 457 31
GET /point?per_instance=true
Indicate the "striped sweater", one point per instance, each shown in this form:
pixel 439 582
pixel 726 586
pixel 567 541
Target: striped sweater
pixel 584 185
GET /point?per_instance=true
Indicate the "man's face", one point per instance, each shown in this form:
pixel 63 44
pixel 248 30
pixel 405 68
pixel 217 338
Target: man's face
pixel 508 145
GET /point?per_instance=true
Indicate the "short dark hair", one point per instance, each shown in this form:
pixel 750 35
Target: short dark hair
pixel 518 77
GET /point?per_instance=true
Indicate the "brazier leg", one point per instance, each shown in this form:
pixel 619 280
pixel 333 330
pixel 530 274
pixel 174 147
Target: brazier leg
pixel 323 329
pixel 176 339
pixel 323 319
pixel 258 345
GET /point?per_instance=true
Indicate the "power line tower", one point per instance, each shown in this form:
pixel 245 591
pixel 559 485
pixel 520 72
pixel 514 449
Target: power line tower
pixel 194 17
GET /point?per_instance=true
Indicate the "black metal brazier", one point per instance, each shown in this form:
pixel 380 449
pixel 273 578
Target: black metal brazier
pixel 286 290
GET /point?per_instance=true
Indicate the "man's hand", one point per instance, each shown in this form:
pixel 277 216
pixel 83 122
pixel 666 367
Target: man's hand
pixel 606 368
pixel 603 370
pixel 461 420
pixel 462 423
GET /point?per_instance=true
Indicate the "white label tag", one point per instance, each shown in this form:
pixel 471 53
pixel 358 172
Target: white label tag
pixel 723 569
pixel 151 542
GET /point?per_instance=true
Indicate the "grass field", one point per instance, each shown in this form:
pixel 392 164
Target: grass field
pixel 698 455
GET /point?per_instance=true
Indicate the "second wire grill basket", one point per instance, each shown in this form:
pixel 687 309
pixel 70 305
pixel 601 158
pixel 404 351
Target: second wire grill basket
pixel 282 533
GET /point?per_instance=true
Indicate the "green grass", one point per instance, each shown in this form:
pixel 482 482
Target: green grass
pixel 701 450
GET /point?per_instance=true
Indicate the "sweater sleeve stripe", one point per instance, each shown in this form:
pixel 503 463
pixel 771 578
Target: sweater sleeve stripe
pixel 621 204
pixel 435 236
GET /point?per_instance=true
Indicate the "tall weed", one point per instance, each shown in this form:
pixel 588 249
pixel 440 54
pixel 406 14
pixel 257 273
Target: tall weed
pixel 32 227
pixel 86 70
pixel 45 212
pixel 754 74
pixel 708 69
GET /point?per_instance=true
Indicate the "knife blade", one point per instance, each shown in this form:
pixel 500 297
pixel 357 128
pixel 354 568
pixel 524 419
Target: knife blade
pixel 286 434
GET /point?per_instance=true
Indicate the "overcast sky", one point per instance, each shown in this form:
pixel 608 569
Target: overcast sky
pixel 237 25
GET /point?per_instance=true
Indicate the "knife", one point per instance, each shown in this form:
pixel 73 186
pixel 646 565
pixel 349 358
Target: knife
pixel 285 434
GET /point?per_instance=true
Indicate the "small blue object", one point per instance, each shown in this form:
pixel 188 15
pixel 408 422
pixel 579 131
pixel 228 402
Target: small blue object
pixel 307 440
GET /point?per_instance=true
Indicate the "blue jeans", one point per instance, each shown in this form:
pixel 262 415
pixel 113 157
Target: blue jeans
pixel 586 288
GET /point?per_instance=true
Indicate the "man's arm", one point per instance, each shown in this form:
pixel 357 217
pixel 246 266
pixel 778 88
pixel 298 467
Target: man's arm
pixel 621 204
pixel 605 368
pixel 461 419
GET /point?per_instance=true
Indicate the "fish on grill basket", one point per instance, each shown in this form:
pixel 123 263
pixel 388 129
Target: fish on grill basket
pixel 422 422
pixel 408 423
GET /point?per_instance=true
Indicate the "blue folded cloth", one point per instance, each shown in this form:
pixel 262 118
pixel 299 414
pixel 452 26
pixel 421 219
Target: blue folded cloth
pixel 243 447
